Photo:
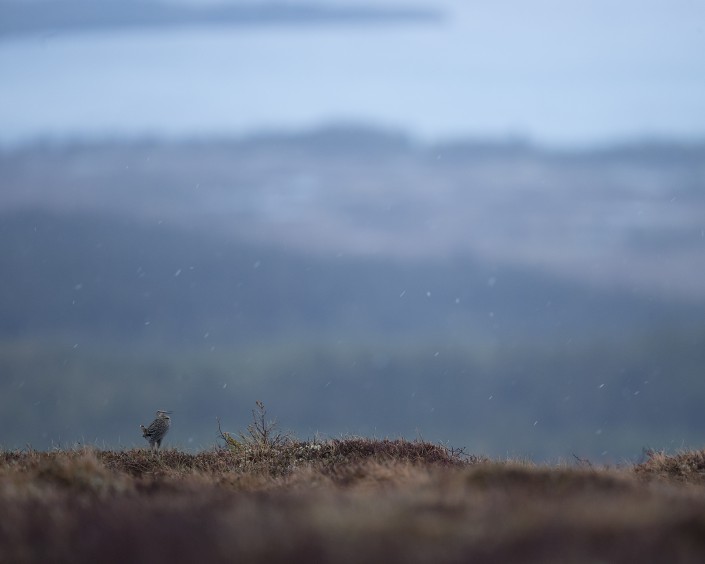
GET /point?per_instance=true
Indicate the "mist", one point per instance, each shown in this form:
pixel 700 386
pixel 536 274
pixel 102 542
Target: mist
pixel 383 221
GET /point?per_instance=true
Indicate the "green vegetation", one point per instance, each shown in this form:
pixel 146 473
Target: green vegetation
pixel 105 318
pixel 604 401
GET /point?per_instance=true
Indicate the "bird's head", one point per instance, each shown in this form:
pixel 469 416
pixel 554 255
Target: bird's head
pixel 163 414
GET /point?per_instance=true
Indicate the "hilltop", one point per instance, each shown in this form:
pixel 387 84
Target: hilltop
pixel 345 500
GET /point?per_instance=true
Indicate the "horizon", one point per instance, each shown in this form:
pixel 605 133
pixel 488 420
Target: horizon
pixel 404 136
pixel 581 77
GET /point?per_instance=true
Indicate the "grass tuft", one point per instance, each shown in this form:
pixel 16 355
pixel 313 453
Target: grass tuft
pixel 685 467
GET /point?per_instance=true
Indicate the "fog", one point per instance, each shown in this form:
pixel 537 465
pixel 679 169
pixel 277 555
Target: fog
pixel 479 226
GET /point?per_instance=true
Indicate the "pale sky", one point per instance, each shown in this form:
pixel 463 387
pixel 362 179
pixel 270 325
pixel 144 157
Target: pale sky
pixel 576 73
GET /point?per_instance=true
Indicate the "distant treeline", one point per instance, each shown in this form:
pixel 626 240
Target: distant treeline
pixel 354 140
pixel 602 400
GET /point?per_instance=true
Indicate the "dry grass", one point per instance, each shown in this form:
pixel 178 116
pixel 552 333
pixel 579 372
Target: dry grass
pixel 684 467
pixel 348 500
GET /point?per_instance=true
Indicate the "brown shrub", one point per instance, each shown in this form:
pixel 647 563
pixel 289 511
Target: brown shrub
pixel 685 467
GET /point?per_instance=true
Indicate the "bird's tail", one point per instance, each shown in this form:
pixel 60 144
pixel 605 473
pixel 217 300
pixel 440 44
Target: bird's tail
pixel 144 430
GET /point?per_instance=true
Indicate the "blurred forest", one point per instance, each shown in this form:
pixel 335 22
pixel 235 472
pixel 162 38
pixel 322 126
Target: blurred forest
pixel 498 296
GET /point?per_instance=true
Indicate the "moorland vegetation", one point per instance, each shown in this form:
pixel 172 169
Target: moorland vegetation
pixel 265 496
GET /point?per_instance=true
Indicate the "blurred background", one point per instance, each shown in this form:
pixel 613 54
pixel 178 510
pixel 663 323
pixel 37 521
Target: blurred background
pixel 476 223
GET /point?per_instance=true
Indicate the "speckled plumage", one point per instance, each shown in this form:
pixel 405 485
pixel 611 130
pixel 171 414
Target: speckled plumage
pixel 157 429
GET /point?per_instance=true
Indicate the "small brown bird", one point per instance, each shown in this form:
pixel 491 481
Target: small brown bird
pixel 157 429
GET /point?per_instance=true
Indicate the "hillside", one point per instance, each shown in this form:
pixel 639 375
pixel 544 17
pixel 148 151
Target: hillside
pixel 622 218
pixel 345 501
pixel 504 297
pixel 113 277
pixel 101 317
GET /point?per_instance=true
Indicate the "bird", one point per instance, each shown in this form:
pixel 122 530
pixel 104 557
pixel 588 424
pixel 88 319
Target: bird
pixel 157 429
